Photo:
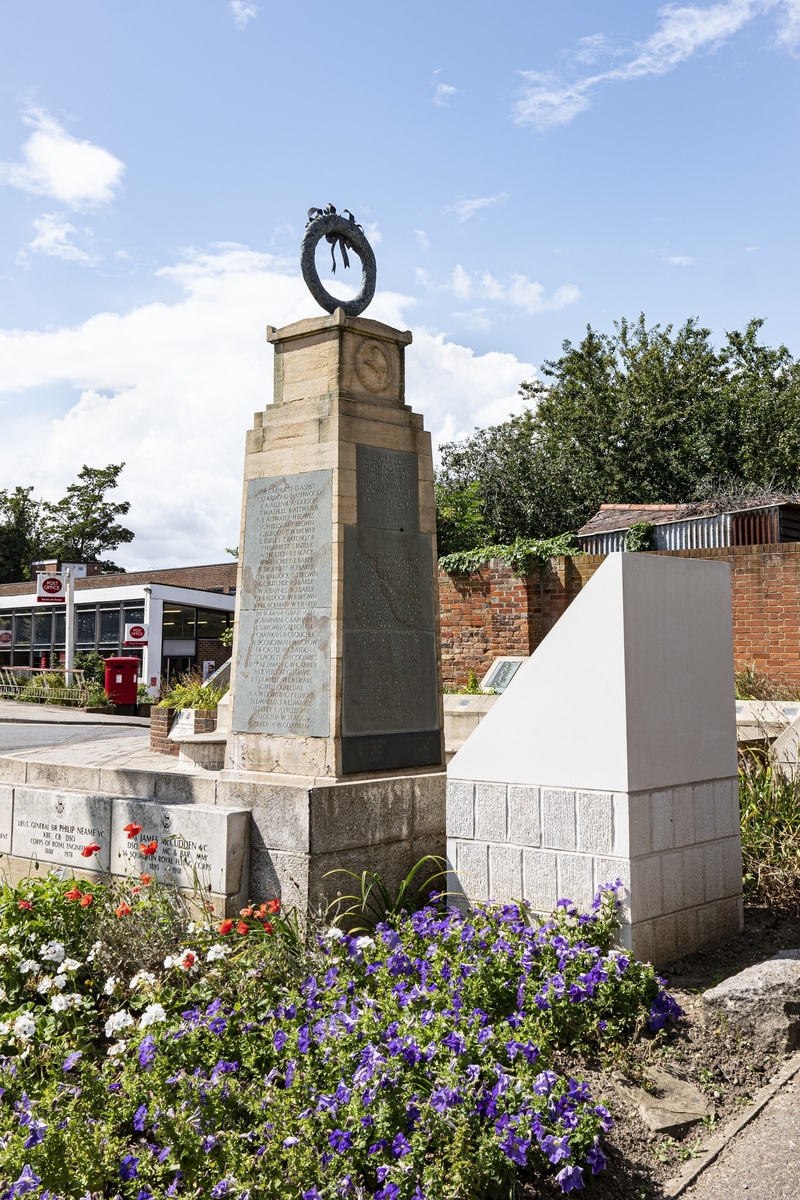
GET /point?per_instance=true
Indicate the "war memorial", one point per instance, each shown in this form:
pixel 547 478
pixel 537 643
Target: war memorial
pixel 612 754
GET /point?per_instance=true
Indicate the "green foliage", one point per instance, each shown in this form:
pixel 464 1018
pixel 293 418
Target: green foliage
pixel 751 684
pixel 374 902
pixel 521 555
pixel 639 537
pixel 19 534
pixel 78 528
pixel 149 1050
pixel 83 525
pixel 92 664
pixel 460 521
pixel 770 812
pixel 143 694
pixel 226 637
pixel 644 415
pixel 191 692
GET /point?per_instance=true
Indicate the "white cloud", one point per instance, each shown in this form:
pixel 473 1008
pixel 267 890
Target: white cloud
pixel 52 238
pixel 65 168
pixel 680 260
pixel 465 209
pixel 685 30
pixel 422 239
pixel 374 235
pixel 442 93
pixel 242 12
pixel 171 388
pixel 519 292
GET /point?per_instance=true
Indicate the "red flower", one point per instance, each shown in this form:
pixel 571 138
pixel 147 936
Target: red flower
pixel 133 830
pixel 72 894
pixel 226 926
pixel 272 906
pixel 136 890
pixel 268 927
pixel 242 927
pixel 25 904
pixel 188 960
pixel 91 849
pixel 246 912
pixel 146 879
pixel 123 909
pixel 86 900
pixel 148 849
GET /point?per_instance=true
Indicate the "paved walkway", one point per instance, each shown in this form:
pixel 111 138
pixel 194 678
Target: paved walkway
pixel 17 712
pixel 126 749
pixel 763 1161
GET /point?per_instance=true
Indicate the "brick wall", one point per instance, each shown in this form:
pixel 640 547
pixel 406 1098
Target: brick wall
pixel 212 650
pixel 160 722
pixel 493 612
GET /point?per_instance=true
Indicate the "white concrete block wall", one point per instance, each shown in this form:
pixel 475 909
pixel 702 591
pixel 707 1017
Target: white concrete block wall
pixel 677 851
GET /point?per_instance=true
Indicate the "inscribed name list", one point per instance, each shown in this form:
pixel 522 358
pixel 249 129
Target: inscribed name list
pixel 283 656
pixel 54 827
pixel 194 843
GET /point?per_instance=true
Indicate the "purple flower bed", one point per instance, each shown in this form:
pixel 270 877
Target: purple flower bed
pixel 415 1063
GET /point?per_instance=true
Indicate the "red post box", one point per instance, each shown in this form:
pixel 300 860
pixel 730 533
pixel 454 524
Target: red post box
pixel 122 676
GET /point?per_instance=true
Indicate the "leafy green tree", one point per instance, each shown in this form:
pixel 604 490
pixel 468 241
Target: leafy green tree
pixel 19 534
pixel 643 415
pixel 83 525
pixel 460 520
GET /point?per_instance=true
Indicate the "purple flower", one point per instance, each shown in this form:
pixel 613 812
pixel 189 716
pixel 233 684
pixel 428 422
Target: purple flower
pixel 515 1148
pixel 400 1146
pixel 388 1192
pixel 147 1052
pixel 376 1147
pixel 571 1179
pixel 290 1070
pixel 219 1189
pixel 606 1119
pixel 312 1194
pixel 340 1140
pixel 139 1118
pixel 36 1132
pixel 128 1168
pixel 556 1148
pixel 279 1039
pixel 443 1098
pixel 303 1040
pixel 218 1026
pixel 290 1141
pixel 208 1143
pixel 596 1159
pixel 27 1182
pixel 545 1082
pixel 72 1060
pixel 145 1194
pixel 173 1187
pixel 663 1009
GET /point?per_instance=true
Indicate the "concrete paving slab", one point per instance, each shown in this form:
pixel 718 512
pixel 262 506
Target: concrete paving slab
pixel 17 712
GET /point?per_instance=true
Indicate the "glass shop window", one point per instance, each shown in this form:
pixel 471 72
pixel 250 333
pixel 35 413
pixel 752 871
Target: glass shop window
pixel 211 624
pixel 85 621
pixel 22 629
pixel 59 628
pixel 178 621
pixel 43 628
pixel 134 613
pixel 109 626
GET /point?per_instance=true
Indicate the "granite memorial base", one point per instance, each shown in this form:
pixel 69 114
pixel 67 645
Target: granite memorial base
pixel 612 754
pixel 244 837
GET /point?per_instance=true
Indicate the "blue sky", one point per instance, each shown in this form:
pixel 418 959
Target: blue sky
pixel 524 168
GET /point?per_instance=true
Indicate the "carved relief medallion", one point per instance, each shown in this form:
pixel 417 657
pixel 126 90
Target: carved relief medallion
pixel 373 366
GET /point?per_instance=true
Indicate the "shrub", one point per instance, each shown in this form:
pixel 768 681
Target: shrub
pixel 751 684
pixel 191 692
pixel 92 664
pixel 770 815
pixel 256 1061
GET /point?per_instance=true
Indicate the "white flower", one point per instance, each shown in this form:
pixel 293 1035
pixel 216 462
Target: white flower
pixel 364 942
pixel 215 952
pixel 52 952
pixel 118 1048
pixel 69 964
pixel 44 985
pixel 3 995
pixel 186 960
pixel 27 965
pixel 334 934
pixel 153 1013
pixel 111 984
pixel 60 982
pixel 90 957
pixel 7 951
pixel 59 1004
pixel 5 1027
pixel 73 999
pixel 117 1021
pixel 142 979
pixel 25 1027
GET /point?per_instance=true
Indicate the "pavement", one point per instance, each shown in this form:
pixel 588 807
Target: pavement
pixel 26 727
pixel 763 1161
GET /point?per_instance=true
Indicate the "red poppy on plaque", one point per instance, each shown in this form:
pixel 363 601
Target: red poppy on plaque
pixel 136 634
pixel 51 588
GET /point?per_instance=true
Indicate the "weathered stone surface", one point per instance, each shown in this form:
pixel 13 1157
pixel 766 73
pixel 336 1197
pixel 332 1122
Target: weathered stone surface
pixel 674 1104
pixel 195 844
pixel 54 827
pixel 388 488
pixel 763 1002
pixel 283 655
pixel 6 813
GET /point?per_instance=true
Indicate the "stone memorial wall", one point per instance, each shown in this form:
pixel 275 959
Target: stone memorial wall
pixel 283 659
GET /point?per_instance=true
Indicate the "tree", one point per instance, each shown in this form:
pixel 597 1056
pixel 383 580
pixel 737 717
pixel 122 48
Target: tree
pixel 19 534
pixel 83 525
pixel 639 416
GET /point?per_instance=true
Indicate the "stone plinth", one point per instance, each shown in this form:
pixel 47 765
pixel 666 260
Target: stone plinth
pixel 612 754
pixel 336 663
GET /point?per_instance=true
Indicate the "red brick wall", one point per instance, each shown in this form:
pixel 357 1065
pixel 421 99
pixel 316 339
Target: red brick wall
pixel 494 612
